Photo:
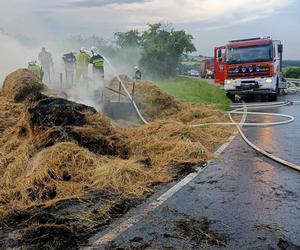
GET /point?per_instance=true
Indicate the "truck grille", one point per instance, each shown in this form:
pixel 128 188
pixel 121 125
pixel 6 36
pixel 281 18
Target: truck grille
pixel 246 71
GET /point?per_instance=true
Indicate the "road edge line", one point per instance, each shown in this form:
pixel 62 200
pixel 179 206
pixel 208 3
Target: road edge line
pixel 128 223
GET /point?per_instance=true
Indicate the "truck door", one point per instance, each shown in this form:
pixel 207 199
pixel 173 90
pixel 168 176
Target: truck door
pixel 219 64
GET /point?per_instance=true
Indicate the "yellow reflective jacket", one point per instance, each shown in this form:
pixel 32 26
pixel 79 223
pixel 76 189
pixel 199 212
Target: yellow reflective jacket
pixel 35 69
pixel 82 59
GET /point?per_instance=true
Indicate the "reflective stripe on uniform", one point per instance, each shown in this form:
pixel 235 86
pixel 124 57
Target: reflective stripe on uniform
pixel 98 62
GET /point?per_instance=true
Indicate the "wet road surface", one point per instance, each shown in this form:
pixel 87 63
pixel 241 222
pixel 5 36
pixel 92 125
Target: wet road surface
pixel 240 201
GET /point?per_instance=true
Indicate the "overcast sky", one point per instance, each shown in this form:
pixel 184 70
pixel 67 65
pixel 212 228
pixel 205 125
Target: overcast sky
pixel 211 22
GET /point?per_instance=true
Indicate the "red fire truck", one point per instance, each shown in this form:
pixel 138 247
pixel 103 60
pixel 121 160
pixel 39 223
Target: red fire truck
pixel 250 66
pixel 207 68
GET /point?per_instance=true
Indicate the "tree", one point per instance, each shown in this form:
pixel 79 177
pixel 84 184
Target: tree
pixel 131 38
pixel 162 48
pixel 128 49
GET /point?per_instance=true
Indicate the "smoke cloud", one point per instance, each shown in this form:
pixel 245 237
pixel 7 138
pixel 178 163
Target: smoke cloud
pixel 14 55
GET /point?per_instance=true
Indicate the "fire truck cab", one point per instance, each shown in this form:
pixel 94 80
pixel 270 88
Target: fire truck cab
pixel 250 66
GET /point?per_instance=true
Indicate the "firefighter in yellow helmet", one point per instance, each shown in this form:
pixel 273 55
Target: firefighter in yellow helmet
pixel 35 69
pixel 82 59
pixel 98 67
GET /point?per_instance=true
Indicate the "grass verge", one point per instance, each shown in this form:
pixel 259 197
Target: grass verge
pixel 195 90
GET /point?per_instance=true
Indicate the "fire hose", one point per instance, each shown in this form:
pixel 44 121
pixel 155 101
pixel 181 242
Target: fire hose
pixel 236 110
pixel 258 149
pixel 243 123
pixel 126 91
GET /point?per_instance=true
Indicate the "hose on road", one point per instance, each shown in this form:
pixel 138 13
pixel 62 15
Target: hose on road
pixel 240 125
pixel 258 149
pixel 237 110
pixel 238 107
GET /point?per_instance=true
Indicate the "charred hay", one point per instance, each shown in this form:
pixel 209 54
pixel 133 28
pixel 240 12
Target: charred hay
pixel 59 150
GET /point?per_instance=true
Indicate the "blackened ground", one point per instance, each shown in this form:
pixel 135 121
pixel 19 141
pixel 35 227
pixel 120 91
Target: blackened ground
pixel 176 230
pixel 65 225
pixel 249 201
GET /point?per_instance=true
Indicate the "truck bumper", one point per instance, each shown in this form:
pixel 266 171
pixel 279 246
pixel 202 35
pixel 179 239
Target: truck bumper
pixel 251 92
pixel 250 86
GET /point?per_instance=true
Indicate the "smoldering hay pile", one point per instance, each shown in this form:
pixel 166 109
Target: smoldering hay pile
pixel 54 151
pixel 155 104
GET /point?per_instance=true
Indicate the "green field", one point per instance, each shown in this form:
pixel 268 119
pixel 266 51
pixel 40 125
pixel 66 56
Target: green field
pixel 195 90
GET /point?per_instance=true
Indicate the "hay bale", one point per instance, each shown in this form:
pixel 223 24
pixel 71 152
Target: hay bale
pixel 154 102
pixel 20 84
pixel 50 120
pixel 151 100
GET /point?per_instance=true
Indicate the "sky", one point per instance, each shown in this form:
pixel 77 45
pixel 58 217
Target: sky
pixel 211 22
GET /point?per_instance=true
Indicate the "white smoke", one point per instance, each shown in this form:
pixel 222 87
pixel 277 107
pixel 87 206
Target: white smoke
pixel 14 55
pixel 88 91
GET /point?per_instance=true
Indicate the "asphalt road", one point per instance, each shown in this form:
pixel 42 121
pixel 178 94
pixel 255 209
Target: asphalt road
pixel 240 201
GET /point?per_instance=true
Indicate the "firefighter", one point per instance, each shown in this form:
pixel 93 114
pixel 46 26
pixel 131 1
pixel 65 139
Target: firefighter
pixel 82 65
pixel 45 59
pixel 35 69
pixel 138 73
pixel 70 64
pixel 98 66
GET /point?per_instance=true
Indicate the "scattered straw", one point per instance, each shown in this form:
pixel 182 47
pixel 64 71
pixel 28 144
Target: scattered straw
pixel 51 154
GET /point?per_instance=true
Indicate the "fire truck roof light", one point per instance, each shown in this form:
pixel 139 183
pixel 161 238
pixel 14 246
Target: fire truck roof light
pixel 249 39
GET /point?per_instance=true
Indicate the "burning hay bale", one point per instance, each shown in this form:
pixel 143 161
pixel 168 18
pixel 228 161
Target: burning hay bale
pixel 151 100
pixel 157 104
pixel 50 120
pixel 53 142
pixel 20 84
pixel 59 152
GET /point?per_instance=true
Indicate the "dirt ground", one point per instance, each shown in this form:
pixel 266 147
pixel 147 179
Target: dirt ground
pixel 67 170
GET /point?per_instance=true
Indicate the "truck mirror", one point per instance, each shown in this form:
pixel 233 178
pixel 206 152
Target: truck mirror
pixel 280 48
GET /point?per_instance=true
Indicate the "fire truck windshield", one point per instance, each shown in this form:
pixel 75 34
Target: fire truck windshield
pixel 254 53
